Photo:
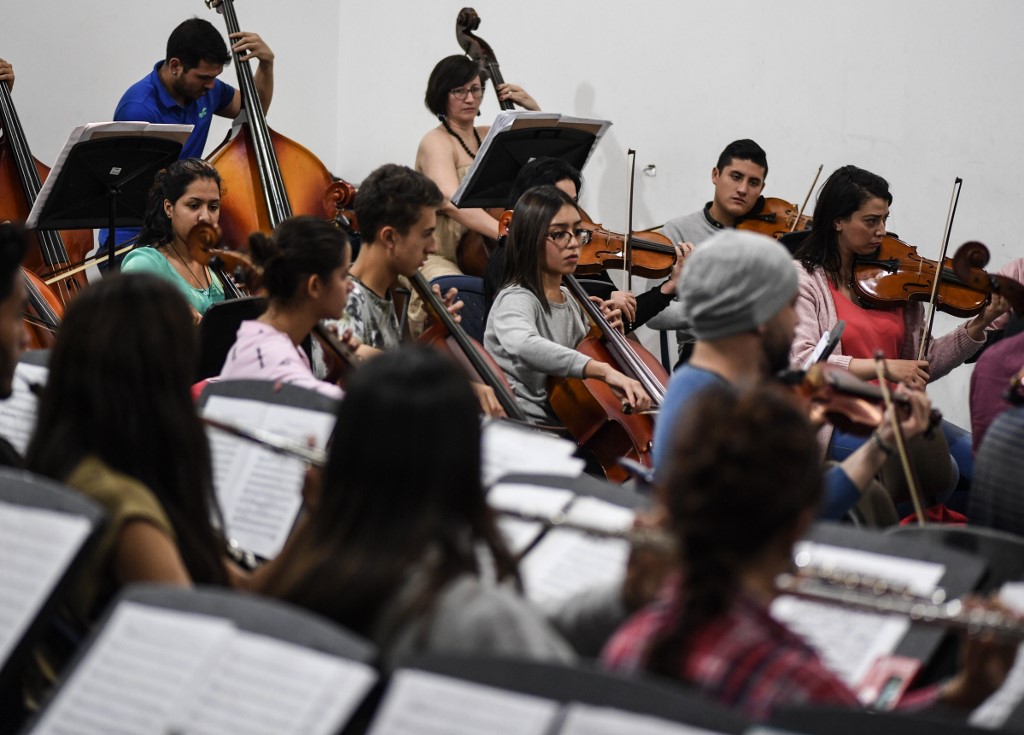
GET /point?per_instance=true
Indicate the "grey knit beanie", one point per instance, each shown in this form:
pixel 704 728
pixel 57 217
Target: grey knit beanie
pixel 734 282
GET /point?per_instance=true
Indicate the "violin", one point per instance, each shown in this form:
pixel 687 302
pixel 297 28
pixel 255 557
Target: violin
pixel 653 253
pixel 268 176
pixel 845 401
pixel 969 263
pixel 895 274
pixel 775 218
pixel 447 332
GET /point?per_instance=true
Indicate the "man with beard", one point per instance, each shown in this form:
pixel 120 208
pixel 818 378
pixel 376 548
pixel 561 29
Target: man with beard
pixel 739 295
pixel 183 88
pixel 13 338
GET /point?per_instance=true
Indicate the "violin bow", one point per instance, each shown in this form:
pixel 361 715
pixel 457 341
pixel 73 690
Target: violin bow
pixel 627 246
pixel 901 447
pixel 926 330
pixel 800 212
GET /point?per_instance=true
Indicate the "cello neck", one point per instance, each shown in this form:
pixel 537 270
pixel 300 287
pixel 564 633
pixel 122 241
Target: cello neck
pixel 468 348
pixel 629 362
pixel 50 242
pixel 274 194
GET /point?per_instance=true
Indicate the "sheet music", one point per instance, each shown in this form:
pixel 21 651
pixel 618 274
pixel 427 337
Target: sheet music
pixel 129 681
pixel 534 500
pixel 521 119
pixel 994 711
pixel 18 413
pixel 96 131
pixel 263 686
pixel 508 449
pixel 260 492
pixel 585 719
pixel 421 703
pixel 849 641
pixel 36 547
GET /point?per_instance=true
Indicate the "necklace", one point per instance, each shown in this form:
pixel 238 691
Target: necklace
pixel 459 138
pixel 199 284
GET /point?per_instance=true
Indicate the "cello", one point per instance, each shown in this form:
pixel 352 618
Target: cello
pixel 467 351
pixel 589 408
pixel 268 176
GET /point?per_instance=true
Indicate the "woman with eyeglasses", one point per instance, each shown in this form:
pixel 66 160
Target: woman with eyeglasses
pixel 535 323
pixel 455 92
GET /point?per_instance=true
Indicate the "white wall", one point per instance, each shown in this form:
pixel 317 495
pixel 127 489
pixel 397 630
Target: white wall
pixel 919 92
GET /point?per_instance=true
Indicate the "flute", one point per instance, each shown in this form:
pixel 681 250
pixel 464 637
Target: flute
pixel 868 594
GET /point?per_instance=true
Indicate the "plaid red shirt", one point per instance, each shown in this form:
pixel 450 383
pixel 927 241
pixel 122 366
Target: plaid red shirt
pixel 744 659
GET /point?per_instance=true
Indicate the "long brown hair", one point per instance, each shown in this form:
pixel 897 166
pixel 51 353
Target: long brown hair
pixel 741 469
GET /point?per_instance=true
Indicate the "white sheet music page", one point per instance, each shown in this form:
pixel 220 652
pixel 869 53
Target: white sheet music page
pixel 421 703
pixel 992 713
pixel 584 719
pixel 533 500
pixel 18 413
pixel 264 686
pixel 567 562
pixel 259 491
pixel 36 547
pixel 508 449
pixel 849 641
pixel 129 681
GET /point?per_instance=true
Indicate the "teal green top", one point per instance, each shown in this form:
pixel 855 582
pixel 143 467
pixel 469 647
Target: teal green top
pixel 151 260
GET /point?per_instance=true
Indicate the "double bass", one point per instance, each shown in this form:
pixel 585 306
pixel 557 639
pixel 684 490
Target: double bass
pixel 21 177
pixel 474 250
pixel 267 176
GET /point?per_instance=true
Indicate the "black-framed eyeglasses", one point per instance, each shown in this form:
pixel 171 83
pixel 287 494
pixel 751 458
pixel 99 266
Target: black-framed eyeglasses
pixel 562 238
pixel 461 93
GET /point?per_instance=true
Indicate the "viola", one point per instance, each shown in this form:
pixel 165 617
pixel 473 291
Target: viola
pixel 653 254
pixel 267 176
pixel 775 218
pixel 447 332
pixel 21 178
pixel 896 273
pixel 969 263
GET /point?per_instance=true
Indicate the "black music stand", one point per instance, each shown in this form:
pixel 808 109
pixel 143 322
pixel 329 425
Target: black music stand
pixel 514 140
pixel 104 181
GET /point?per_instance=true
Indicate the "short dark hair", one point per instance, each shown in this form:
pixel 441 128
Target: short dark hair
pixel 170 183
pixel 744 150
pixel 544 170
pixel 449 73
pixel 197 40
pixel 393 195
pixel 12 251
pixel 845 191
pixel 298 248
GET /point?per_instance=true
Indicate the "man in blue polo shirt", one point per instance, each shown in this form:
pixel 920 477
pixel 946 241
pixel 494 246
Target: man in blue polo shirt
pixel 183 88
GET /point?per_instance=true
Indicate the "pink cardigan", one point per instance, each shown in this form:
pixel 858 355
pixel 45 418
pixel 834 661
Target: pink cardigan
pixel 817 312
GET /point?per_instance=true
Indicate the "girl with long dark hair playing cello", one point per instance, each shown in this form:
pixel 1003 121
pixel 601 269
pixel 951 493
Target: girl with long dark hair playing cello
pixel 535 323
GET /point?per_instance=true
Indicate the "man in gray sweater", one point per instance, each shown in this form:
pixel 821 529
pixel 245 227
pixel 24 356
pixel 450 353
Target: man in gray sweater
pixel 738 178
